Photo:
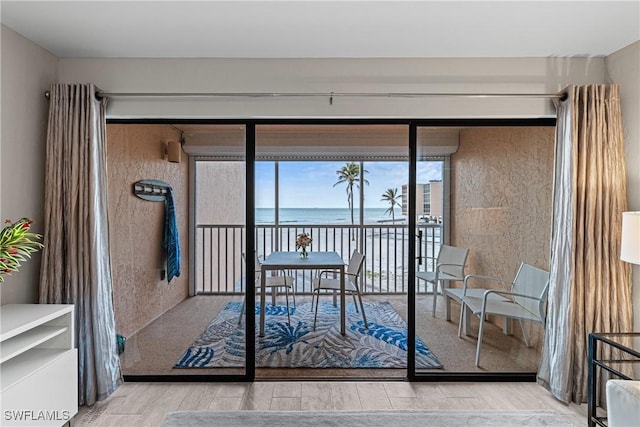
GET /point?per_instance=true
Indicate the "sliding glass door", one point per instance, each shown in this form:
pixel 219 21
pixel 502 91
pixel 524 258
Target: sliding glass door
pixel 341 184
pixel 481 205
pixel 191 326
pixel 352 187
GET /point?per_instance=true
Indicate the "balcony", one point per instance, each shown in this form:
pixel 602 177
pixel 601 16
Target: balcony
pixel 219 278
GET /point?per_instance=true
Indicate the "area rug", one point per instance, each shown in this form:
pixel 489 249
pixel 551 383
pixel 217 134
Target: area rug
pixel 382 345
pixel 367 418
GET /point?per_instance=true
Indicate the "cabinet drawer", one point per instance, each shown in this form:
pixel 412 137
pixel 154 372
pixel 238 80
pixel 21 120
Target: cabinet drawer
pixel 47 397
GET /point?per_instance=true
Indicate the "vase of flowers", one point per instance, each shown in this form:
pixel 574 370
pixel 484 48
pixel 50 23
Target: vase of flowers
pixel 302 241
pixel 16 245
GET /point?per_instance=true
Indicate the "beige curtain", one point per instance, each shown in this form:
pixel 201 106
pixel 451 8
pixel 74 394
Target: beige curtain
pixel 590 288
pixel 76 266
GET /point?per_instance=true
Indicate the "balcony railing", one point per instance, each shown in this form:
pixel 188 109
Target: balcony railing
pixel 219 248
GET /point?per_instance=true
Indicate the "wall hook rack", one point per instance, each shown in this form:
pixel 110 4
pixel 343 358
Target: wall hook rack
pixel 151 190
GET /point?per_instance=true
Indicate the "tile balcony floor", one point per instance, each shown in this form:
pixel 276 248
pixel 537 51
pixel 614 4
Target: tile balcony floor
pixel 155 349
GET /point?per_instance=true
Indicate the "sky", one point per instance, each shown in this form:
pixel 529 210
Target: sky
pixel 311 184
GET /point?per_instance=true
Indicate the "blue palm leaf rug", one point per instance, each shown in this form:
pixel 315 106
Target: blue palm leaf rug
pixel 383 345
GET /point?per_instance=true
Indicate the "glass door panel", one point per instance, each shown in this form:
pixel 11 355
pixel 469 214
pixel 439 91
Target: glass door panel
pixel 174 327
pixel 341 184
pixel 487 202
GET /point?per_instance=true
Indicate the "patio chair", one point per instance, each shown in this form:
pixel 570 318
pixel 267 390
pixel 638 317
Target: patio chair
pixel 273 283
pixel 449 267
pixel 525 301
pixel 324 282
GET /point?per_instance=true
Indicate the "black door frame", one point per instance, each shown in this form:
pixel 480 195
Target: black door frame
pixel 250 146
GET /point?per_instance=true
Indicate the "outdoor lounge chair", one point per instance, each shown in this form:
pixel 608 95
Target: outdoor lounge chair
pixel 525 301
pixel 449 267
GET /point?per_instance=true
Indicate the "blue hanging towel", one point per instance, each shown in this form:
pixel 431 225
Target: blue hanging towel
pixel 171 241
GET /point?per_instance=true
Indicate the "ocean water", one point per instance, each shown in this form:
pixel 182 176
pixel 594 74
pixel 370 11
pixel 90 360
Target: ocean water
pixel 324 216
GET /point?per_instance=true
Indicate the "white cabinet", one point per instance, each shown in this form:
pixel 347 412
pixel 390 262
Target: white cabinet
pixel 38 365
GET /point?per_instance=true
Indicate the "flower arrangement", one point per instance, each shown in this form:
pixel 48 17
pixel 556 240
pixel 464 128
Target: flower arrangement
pixel 302 241
pixel 16 245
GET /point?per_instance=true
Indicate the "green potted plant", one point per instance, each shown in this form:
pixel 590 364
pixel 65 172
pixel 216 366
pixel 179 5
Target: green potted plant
pixel 16 245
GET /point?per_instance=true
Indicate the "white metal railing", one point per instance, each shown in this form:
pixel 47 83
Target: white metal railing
pixel 219 248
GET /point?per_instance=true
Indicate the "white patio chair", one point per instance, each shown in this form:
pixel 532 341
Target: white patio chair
pixel 525 301
pixel 351 277
pixel 449 267
pixel 272 283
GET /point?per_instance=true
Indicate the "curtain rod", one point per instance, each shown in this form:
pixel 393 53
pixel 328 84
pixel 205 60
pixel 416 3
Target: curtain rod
pixel 329 95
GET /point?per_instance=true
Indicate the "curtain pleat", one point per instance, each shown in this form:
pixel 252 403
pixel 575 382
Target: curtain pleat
pixel 76 265
pixel 556 362
pixel 590 288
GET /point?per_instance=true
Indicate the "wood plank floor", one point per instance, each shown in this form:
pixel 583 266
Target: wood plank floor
pixel 147 404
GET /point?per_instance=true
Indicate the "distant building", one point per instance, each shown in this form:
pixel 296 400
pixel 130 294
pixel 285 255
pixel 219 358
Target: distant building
pixel 428 200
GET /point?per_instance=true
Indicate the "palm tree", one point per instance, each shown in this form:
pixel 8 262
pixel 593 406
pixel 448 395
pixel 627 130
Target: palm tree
pixel 391 196
pixel 350 174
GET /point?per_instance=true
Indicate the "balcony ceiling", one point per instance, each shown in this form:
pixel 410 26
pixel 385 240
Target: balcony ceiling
pixel 287 142
pixel 324 29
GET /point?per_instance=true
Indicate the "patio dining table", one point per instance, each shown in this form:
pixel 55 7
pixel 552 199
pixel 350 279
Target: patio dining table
pixel 318 260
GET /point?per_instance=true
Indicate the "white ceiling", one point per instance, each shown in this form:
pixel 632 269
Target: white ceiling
pixel 322 29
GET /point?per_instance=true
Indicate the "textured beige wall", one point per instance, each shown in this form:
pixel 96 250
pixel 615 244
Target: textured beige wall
pixel 623 68
pixel 135 152
pixel 501 198
pixel 220 200
pixel 27 71
pixel 220 192
pixel 325 75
